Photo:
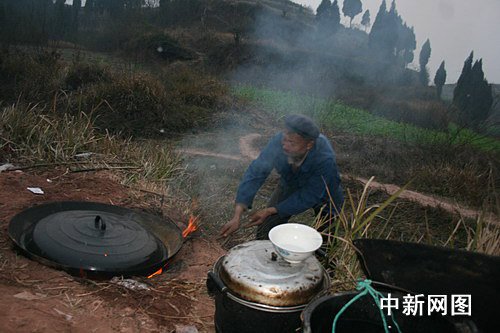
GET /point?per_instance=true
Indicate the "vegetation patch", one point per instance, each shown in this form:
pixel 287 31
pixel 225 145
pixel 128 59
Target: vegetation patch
pixel 128 103
pixel 335 115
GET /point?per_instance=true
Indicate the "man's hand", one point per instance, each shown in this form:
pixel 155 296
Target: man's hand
pixel 259 216
pixel 234 224
pixel 230 227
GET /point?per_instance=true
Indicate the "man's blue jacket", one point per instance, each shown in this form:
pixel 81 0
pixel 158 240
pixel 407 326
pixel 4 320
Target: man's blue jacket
pixel 309 182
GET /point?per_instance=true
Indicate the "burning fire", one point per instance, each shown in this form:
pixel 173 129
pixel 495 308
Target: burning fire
pixel 158 272
pixel 191 226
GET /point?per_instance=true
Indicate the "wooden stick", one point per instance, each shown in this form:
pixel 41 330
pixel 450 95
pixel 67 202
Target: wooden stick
pixel 104 168
pixel 59 164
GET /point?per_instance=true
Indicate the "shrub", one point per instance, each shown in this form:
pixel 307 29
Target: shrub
pixel 82 74
pixel 158 45
pixel 32 76
pixel 128 104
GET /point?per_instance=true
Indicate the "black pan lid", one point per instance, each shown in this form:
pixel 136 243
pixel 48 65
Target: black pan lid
pixel 90 238
pixel 96 238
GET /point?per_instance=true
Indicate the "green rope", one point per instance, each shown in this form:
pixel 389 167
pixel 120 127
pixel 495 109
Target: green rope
pixel 366 288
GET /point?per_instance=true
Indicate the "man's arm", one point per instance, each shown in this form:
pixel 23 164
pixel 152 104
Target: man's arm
pixel 257 172
pixel 254 177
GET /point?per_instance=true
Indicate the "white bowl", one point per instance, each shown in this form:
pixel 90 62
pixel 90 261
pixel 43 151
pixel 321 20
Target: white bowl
pixel 295 242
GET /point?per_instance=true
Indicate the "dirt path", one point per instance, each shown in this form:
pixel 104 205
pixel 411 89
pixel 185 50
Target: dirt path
pixel 250 152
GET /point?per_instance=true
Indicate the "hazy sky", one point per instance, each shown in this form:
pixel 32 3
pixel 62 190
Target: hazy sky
pixel 454 27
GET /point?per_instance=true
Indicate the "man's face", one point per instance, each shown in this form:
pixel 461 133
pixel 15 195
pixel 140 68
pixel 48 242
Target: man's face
pixel 295 145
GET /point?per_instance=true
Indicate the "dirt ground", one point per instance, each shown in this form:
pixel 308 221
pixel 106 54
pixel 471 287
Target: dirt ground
pixel 36 298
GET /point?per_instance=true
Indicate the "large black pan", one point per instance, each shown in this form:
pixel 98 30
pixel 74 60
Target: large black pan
pixel 163 234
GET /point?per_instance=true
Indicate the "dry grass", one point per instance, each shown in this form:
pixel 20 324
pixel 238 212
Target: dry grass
pixel 483 238
pixel 33 135
pixel 30 136
pixel 353 221
pixel 359 219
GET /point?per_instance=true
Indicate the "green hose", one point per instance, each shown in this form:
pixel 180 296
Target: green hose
pixel 364 286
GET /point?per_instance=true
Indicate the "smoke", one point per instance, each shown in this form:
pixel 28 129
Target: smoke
pixel 289 50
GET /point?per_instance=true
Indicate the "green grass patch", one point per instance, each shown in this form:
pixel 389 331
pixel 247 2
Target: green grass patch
pixel 332 114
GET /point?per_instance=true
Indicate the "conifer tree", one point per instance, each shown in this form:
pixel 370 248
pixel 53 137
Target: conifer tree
pixel 440 79
pixel 90 5
pixel 351 8
pixel 323 9
pixel 334 16
pixel 423 59
pixel 77 4
pixel 472 95
pixel 365 20
pixel 328 16
pixel 378 25
pixel 60 18
pixel 410 44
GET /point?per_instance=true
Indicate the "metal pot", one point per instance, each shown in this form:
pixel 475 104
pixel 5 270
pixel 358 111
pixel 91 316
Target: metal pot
pixel 257 291
pixel 363 316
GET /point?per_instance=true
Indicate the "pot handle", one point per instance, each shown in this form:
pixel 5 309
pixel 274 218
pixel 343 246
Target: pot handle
pixel 99 223
pixel 214 283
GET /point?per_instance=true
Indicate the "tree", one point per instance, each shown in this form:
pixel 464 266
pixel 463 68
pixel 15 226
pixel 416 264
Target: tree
pixel 334 16
pixel 377 33
pixel 328 16
pixel 77 5
pixel 365 20
pixel 440 79
pixel 90 5
pixel 409 44
pixel 60 19
pixel 351 8
pixel 423 59
pixel 323 9
pixel 472 95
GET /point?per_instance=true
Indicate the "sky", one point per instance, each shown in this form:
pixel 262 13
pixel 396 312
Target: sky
pixel 454 28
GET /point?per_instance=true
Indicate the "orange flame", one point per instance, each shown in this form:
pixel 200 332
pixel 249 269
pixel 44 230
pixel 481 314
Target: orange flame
pixel 191 226
pixel 158 272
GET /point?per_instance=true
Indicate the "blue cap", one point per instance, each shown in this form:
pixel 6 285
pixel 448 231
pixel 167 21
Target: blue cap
pixel 302 125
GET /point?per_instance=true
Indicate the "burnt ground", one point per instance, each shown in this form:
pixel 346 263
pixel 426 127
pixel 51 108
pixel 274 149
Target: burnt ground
pixel 36 298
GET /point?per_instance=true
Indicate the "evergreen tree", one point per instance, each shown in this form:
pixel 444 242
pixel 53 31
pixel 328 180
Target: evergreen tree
pixel 423 59
pixel 60 19
pixel 2 11
pixel 77 5
pixel 472 95
pixel 90 5
pixel 334 16
pixel 377 33
pixel 440 79
pixel 351 8
pixel 328 16
pixel 392 30
pixel 410 44
pixel 365 20
pixel 323 10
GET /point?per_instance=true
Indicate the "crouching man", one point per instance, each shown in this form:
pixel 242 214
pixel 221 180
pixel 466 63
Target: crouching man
pixel 309 178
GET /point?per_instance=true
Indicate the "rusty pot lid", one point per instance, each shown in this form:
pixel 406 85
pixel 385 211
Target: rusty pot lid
pixel 255 273
pixel 98 239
